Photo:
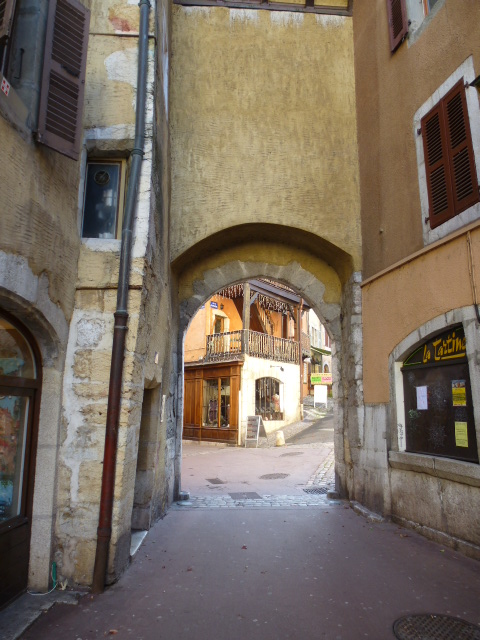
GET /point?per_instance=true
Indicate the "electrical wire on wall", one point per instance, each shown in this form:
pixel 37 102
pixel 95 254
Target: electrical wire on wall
pixel 471 270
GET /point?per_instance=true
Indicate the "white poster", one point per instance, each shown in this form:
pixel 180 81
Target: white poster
pixel 320 394
pixel 422 401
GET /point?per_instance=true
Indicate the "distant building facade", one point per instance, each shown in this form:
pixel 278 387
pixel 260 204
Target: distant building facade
pixel 244 353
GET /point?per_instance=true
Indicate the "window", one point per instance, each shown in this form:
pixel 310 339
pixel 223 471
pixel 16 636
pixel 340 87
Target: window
pixel 218 324
pixel 20 382
pixel 216 403
pixel 449 159
pixel 103 200
pixel 268 399
pixel 439 416
pixel 397 22
pixel 405 17
pixel 53 93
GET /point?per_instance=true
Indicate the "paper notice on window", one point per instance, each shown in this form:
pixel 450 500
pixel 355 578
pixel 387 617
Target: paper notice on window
pixel 459 393
pixel 461 434
pixel 422 401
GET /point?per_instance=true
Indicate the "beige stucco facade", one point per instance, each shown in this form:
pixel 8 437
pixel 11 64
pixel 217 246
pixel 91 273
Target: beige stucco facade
pixel 418 281
pixel 262 130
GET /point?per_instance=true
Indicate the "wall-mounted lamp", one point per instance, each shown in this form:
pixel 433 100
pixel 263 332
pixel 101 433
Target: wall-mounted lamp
pixel 307 360
pixel 221 306
pixel 276 366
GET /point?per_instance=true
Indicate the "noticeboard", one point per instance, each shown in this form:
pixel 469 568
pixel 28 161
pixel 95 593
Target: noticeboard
pixel 255 428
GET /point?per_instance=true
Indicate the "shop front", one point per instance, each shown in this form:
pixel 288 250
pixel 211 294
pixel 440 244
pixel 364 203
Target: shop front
pixel 20 381
pixel 212 402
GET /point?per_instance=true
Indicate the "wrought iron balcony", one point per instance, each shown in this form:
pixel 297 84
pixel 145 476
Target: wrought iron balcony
pixel 234 344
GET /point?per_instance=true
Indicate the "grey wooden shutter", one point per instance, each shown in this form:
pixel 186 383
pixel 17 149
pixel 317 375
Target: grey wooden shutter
pixel 460 148
pixel 7 9
pixel 397 22
pixel 437 167
pixel 63 81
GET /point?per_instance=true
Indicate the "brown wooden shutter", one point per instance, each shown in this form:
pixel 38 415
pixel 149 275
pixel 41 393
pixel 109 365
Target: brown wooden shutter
pixel 397 22
pixel 7 9
pixel 437 167
pixel 449 159
pixel 63 81
pixel 460 148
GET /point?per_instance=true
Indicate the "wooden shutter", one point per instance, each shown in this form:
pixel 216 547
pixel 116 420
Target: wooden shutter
pixel 397 22
pixel 449 160
pixel 63 81
pixel 437 167
pixel 460 148
pixel 7 9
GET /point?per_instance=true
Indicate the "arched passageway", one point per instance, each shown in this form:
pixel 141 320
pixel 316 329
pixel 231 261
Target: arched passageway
pixel 321 274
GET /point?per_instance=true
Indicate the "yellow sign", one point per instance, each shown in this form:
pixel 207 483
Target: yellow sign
pixel 461 435
pixel 459 393
pixel 321 378
pixel 448 348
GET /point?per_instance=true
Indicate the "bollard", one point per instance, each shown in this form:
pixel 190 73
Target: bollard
pixel 279 439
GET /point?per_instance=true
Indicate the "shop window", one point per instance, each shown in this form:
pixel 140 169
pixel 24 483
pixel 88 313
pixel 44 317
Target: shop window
pixel 20 380
pixel 216 403
pixel 103 199
pixel 268 399
pixel 52 93
pixel 438 400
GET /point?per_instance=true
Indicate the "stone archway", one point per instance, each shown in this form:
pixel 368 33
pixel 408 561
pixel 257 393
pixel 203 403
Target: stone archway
pixel 335 299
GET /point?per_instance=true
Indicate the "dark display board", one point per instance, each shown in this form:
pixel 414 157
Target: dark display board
pixel 438 399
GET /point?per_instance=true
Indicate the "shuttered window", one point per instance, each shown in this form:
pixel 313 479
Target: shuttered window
pixel 397 22
pixel 7 8
pixel 63 81
pixel 449 159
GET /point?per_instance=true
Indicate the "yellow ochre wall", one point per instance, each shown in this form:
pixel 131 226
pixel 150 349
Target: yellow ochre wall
pixel 390 88
pixel 263 126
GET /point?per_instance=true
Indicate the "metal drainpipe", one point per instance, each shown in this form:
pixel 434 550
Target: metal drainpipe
pixel 104 531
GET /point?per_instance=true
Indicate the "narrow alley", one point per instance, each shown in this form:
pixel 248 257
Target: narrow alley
pixel 252 554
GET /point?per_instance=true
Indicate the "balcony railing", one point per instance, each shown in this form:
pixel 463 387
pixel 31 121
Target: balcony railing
pixel 233 344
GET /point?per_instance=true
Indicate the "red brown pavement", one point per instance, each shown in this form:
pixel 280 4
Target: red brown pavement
pixel 272 572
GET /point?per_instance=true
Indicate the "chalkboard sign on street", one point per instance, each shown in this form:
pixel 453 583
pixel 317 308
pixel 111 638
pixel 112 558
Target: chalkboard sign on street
pixel 255 428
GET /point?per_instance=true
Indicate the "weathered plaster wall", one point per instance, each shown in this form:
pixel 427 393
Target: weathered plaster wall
pixel 403 299
pixel 263 125
pixel 144 480
pixel 390 88
pixel 39 212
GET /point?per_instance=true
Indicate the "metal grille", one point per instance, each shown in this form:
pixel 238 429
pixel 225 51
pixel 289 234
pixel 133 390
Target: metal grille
pixel 316 490
pixel 274 476
pixel 434 627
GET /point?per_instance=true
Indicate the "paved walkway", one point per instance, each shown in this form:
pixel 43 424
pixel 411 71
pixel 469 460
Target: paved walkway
pixel 254 556
pixel 272 574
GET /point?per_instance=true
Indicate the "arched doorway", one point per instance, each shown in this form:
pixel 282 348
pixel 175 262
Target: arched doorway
pixel 333 292
pixel 20 384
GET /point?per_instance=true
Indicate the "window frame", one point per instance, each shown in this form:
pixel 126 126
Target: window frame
pixel 446 163
pixel 466 73
pixel 272 415
pixel 121 194
pixel 46 92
